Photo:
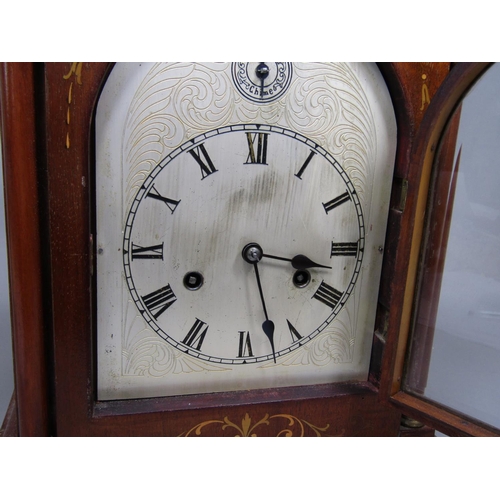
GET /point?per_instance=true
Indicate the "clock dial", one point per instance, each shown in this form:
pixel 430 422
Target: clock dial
pixel 198 209
pixel 240 208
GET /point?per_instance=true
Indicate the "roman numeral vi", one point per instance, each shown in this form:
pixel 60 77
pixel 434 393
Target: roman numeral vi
pixel 245 347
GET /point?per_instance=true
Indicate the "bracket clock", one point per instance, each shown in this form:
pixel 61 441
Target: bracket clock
pixel 213 248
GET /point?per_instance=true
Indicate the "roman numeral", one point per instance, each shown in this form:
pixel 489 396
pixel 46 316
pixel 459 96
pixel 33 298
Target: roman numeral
pixel 327 294
pixel 329 205
pixel 196 334
pixel 259 156
pixel 293 332
pixel 159 301
pixel 245 348
pixel 171 204
pixel 199 153
pixel 152 252
pixel 304 166
pixel 349 249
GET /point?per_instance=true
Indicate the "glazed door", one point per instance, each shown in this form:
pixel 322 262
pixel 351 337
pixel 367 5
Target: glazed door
pixel 450 375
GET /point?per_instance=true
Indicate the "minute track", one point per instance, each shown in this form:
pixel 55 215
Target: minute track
pixel 204 152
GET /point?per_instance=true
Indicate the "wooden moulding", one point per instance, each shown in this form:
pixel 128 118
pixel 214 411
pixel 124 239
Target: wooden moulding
pixel 71 92
pixel 412 87
pixel 22 214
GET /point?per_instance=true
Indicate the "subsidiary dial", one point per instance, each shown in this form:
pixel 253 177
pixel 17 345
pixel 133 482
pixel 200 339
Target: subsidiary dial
pixel 262 82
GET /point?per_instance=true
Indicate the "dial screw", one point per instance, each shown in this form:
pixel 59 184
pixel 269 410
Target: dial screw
pixel 252 253
pixel 262 71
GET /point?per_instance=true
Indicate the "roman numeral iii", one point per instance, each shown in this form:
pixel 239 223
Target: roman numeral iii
pixel 348 249
pixel 327 294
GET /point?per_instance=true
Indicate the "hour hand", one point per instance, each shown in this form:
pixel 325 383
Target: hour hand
pixel 298 262
pixel 252 253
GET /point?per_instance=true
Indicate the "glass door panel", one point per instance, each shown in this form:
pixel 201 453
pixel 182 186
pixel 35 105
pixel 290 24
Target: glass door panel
pixel 455 352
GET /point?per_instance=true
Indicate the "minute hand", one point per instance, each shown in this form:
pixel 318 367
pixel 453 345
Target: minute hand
pixel 268 325
pixel 298 262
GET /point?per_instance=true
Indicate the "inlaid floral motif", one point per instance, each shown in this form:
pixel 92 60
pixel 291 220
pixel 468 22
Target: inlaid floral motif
pixel 249 429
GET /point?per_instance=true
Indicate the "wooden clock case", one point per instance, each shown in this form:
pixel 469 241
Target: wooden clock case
pixel 47 112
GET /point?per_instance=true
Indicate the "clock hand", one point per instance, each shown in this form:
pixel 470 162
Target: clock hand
pixel 268 325
pixel 298 262
pixel 252 253
pixel 262 71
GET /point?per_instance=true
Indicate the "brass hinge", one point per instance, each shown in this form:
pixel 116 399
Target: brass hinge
pixel 403 195
pixel 91 254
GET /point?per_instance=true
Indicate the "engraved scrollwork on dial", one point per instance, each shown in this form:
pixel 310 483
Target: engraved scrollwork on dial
pixel 153 357
pixel 324 101
pixel 175 101
pixel 334 345
pixel 262 87
pixel 145 354
pixel 328 103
